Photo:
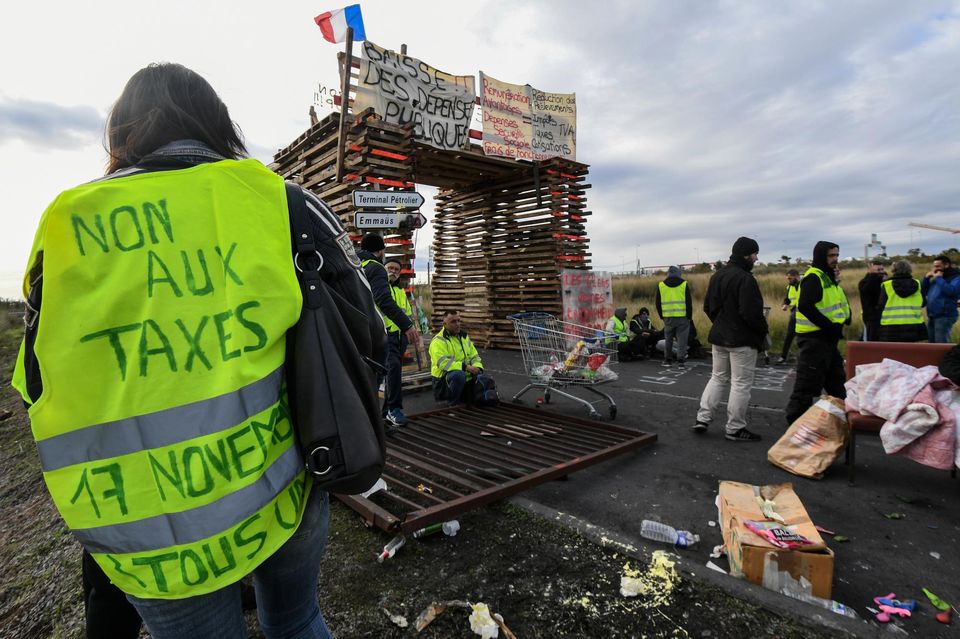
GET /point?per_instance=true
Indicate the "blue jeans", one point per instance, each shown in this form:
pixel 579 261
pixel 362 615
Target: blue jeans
pixel 393 388
pixel 286 586
pixel 938 329
pixel 454 387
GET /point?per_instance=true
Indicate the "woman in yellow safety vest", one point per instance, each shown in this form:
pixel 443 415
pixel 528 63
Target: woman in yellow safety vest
pixel 154 373
pixel 901 307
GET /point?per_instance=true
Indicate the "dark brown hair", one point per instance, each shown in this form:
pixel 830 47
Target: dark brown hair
pixel 165 102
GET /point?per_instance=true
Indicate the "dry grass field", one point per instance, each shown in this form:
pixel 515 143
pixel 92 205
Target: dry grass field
pixel 636 291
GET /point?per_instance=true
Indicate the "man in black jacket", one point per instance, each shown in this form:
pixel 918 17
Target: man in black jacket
pixel 869 299
pixel 822 312
pixel 400 329
pixel 735 306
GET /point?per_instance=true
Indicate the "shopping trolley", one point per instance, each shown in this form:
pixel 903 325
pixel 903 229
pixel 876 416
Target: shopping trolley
pixel 557 354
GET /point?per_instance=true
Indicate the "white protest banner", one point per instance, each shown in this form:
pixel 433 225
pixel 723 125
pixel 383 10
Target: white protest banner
pixel 403 89
pixel 587 297
pixel 507 126
pixel 522 122
pixel 554 124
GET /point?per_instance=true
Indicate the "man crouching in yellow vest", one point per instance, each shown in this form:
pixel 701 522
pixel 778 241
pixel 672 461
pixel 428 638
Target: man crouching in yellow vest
pixel 154 372
pixel 454 362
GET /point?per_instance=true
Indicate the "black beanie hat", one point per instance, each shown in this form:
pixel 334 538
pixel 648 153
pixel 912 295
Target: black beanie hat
pixel 744 246
pixel 372 242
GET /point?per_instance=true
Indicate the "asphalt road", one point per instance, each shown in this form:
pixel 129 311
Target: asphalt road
pixel 676 481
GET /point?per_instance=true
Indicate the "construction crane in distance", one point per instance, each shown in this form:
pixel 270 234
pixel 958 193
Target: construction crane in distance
pixel 945 229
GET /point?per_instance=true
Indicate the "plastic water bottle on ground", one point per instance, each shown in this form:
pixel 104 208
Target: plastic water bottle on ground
pixel 656 531
pixel 449 528
pixel 392 547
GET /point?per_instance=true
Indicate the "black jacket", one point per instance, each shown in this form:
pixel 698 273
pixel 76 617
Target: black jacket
pixel 870 296
pixel 904 286
pixel 811 292
pixel 674 282
pixel 380 286
pixel 735 306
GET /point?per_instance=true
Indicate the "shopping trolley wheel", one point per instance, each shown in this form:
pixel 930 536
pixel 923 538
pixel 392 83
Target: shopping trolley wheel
pixel 613 412
pixel 596 415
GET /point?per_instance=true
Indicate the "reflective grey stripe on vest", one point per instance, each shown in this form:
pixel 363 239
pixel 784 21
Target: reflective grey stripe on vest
pixel 162 428
pixel 913 316
pixel 188 526
pixel 445 362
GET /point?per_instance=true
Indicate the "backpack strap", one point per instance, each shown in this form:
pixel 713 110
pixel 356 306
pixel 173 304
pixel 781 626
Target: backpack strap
pixel 307 259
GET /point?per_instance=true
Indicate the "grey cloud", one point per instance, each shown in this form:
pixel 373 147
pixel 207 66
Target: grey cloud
pixel 704 121
pixel 49 125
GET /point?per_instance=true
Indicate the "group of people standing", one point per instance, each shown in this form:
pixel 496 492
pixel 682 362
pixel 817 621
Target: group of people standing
pixel 893 310
pixel 893 306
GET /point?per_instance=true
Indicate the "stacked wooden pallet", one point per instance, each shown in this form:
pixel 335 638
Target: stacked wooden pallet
pixel 499 247
pixel 377 157
pixel 503 229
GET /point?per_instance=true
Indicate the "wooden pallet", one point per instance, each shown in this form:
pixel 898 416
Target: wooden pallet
pixel 503 229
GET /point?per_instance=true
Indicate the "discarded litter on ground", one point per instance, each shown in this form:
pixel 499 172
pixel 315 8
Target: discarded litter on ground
pixel 398 620
pixel 482 622
pixel 655 584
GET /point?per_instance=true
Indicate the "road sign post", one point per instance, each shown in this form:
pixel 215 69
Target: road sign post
pixel 387 200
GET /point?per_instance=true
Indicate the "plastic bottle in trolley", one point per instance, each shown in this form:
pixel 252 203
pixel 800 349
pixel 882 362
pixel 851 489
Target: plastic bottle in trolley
pixel 657 531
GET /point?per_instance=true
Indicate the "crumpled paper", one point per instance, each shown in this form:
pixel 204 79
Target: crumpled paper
pixel 482 623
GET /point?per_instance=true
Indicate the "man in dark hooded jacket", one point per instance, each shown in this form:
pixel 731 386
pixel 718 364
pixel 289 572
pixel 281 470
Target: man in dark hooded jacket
pixel 400 329
pixel 869 298
pixel 735 306
pixel 900 309
pixel 822 312
pixel 675 307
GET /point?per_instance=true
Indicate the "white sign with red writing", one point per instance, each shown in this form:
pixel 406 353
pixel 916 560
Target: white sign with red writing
pixel 587 297
pixel 522 122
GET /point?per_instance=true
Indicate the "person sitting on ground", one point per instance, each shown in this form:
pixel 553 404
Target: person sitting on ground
pixel 645 335
pixel 618 336
pixel 901 307
pixel 454 362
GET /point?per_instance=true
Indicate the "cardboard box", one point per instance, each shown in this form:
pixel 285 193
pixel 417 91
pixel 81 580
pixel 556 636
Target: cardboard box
pixel 746 550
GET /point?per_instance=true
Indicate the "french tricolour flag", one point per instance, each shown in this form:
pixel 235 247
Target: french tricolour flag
pixel 333 24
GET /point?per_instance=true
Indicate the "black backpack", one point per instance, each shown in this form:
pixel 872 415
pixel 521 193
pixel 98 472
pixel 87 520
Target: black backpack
pixel 333 355
pixel 485 391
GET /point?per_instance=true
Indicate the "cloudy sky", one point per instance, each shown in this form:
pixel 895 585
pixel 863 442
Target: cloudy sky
pixel 788 122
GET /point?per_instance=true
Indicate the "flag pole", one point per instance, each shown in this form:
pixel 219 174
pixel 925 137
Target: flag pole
pixel 344 103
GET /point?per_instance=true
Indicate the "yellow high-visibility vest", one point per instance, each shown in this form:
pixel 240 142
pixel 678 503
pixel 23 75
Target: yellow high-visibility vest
pixel 901 310
pixel 400 297
pixel 452 353
pixel 405 306
pixel 833 303
pixel 673 300
pixel 619 330
pixel 163 428
pixel 793 294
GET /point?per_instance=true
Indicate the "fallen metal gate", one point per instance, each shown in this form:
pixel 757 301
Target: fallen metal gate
pixel 446 462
